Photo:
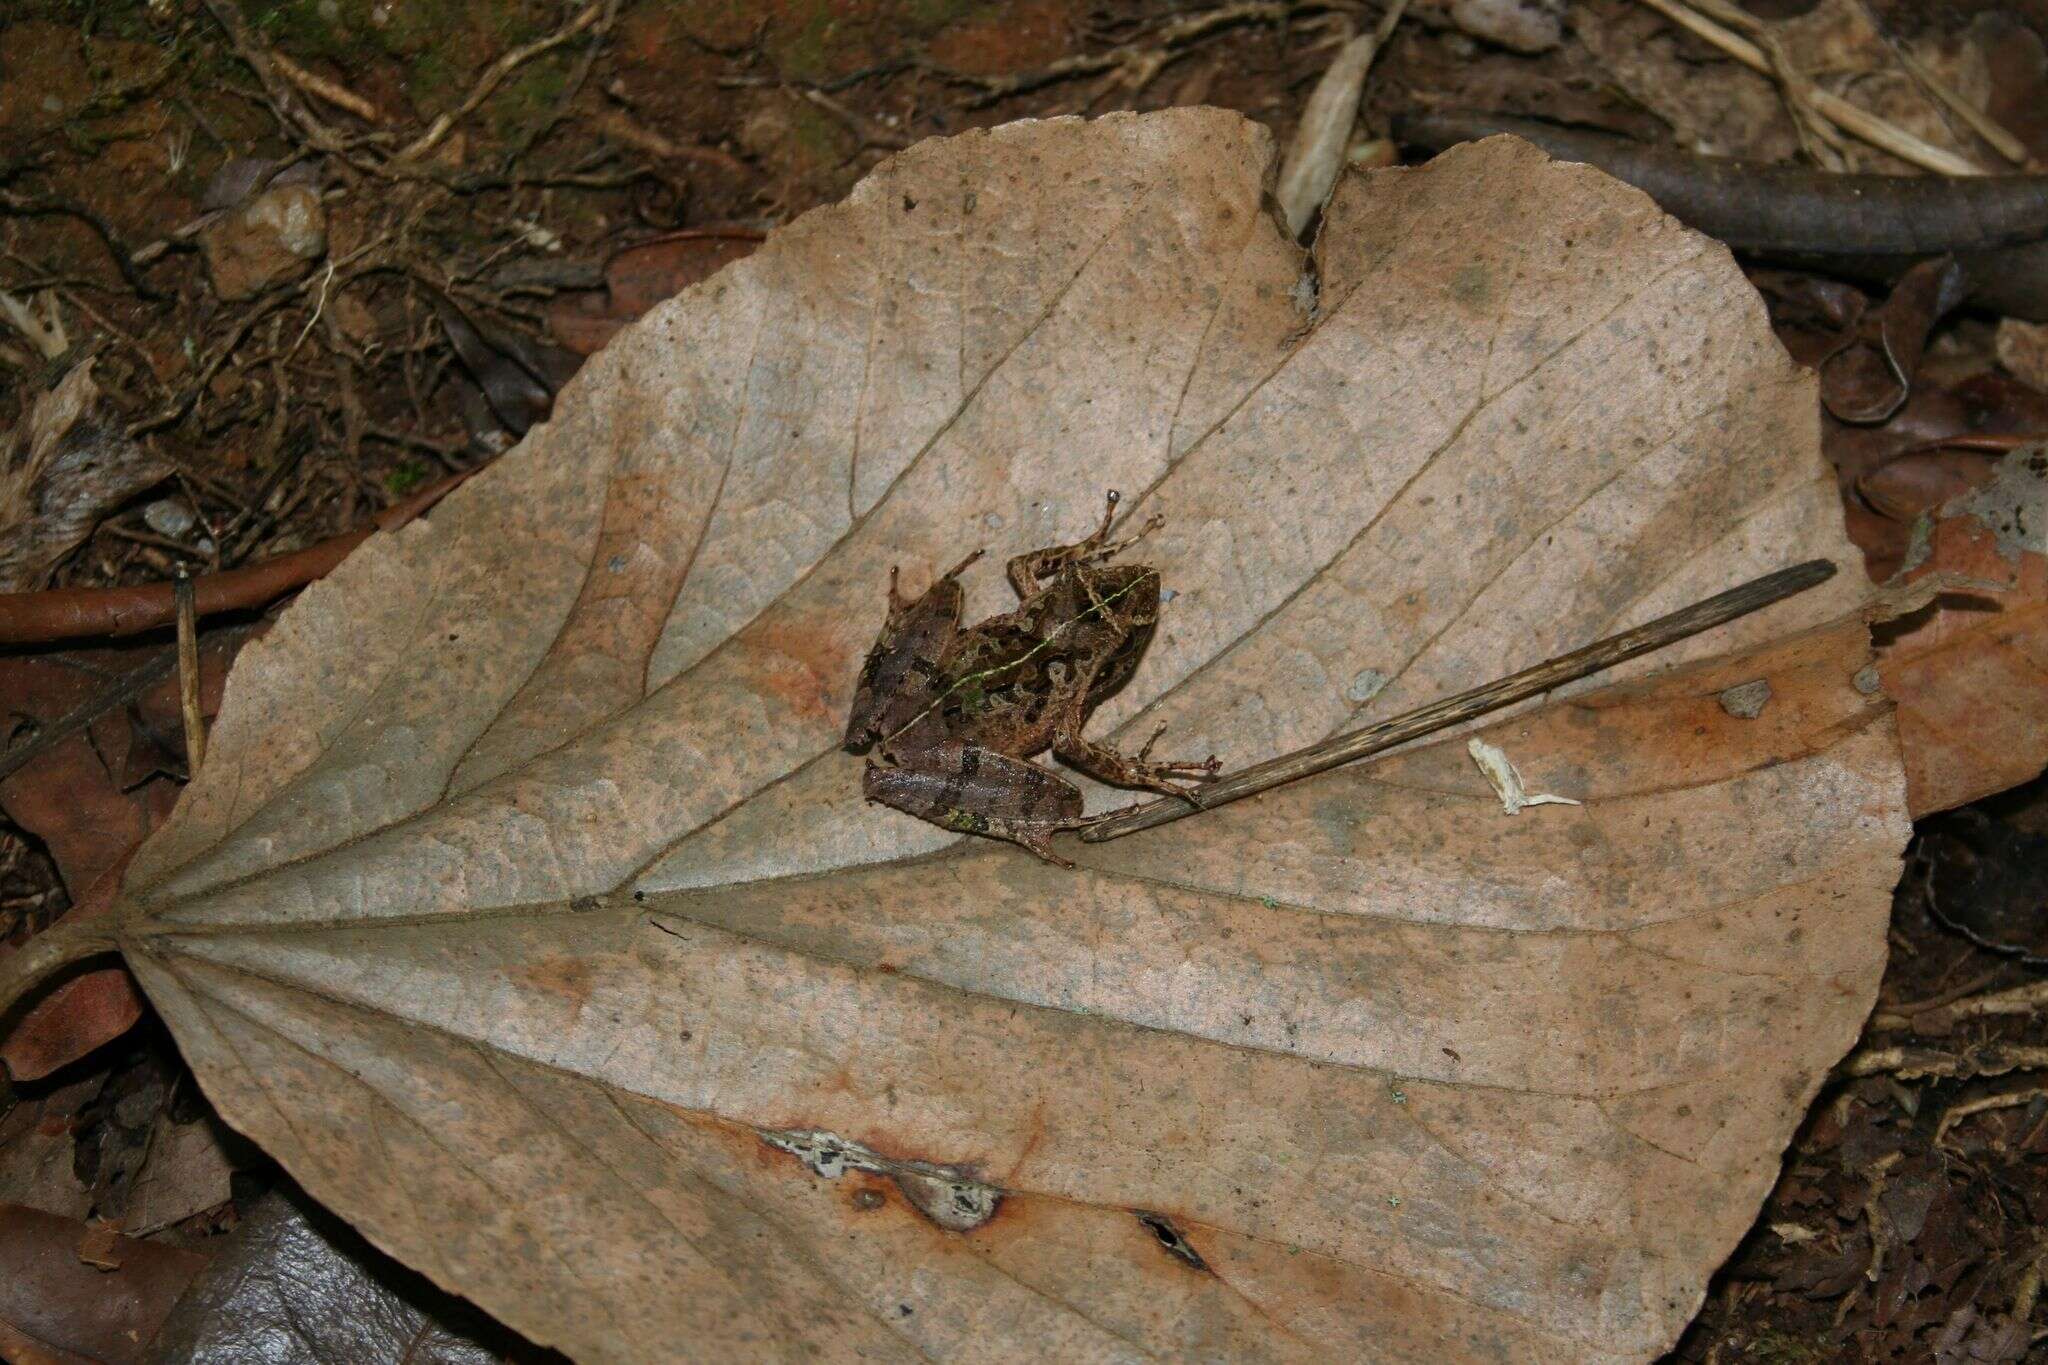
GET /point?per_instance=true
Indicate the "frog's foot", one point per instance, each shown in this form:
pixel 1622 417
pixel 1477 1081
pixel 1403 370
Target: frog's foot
pixel 961 567
pixel 1036 838
pixel 1027 571
pixel 1105 764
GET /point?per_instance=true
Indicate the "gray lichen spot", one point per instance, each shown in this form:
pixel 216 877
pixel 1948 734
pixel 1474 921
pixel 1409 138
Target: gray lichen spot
pixel 949 1196
pixel 2013 506
pixel 1369 683
pixel 1867 680
pixel 827 1154
pixel 1746 701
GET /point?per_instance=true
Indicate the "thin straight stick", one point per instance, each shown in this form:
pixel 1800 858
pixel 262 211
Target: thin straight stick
pixel 1439 715
pixel 188 675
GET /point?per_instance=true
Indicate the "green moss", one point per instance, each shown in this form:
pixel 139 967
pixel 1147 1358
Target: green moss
pixel 1782 1348
pixel 105 18
pixel 806 54
pixel 931 15
pixel 311 28
pixel 409 475
pixel 529 93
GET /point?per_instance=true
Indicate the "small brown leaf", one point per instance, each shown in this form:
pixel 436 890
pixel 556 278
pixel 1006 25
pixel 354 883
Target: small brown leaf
pixel 643 275
pixel 1966 672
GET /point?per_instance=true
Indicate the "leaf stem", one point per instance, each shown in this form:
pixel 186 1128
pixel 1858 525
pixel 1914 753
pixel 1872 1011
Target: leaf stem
pixel 49 952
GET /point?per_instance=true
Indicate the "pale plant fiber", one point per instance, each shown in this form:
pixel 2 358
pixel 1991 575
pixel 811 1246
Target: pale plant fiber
pixel 527 910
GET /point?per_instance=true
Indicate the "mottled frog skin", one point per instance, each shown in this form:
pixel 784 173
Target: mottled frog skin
pixel 954 716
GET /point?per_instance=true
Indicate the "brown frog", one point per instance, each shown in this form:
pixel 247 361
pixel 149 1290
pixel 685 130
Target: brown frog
pixel 955 716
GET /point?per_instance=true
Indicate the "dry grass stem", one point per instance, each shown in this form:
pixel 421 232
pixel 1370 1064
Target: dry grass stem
pixel 1880 133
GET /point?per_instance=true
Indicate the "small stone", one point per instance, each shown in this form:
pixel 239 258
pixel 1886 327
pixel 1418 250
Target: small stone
pixel 1527 26
pixel 169 517
pixel 2023 350
pixel 329 10
pixel 1867 680
pixel 266 239
pixel 1746 702
pixel 1368 684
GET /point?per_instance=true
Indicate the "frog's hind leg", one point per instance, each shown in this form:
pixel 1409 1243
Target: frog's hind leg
pixel 971 790
pixel 1106 764
pixel 1027 571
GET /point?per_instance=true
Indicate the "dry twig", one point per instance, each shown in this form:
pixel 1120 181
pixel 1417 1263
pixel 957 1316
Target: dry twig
pixel 494 75
pixel 71 613
pixel 2031 998
pixel 1912 1063
pixel 2005 1099
pixel 1131 65
pixel 315 84
pixel 188 674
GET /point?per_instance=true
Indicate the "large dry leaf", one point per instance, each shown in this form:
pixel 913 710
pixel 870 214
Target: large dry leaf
pixel 528 912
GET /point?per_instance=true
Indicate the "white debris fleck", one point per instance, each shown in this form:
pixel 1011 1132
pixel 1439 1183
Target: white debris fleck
pixel 1507 782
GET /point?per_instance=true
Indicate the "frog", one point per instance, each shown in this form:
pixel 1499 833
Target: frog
pixel 953 716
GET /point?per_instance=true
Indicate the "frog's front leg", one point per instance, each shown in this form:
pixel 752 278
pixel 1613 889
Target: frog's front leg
pixel 971 790
pixel 1027 571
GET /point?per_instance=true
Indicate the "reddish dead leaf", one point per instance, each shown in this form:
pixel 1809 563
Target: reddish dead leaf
pixel 528 911
pixel 91 799
pixel 1966 672
pixel 72 1292
pixel 643 275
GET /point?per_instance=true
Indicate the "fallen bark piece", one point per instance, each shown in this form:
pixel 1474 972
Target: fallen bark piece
pixel 528 912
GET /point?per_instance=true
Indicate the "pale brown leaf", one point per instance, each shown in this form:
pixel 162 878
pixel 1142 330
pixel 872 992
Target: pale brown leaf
pixel 527 910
